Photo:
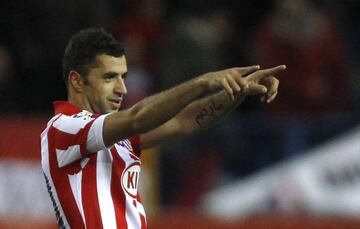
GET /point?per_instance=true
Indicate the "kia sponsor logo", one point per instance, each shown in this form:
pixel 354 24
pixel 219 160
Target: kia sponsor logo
pixel 130 179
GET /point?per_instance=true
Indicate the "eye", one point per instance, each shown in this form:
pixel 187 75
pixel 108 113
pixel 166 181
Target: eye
pixel 109 77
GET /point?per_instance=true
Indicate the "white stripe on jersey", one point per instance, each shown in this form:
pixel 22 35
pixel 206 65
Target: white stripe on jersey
pixel 95 137
pixel 140 208
pixel 44 142
pixel 75 184
pixel 50 186
pixel 103 180
pixel 71 154
pixel 132 216
pixel 70 124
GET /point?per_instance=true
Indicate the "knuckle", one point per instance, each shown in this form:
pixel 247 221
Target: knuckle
pixel 231 79
pixel 242 82
pixel 233 71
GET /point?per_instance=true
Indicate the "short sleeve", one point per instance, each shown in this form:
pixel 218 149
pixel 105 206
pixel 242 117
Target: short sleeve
pixel 95 141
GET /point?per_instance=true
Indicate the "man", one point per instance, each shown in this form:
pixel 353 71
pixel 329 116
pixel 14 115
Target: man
pixel 91 150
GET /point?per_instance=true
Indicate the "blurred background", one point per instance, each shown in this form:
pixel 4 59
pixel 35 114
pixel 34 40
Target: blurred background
pixel 294 163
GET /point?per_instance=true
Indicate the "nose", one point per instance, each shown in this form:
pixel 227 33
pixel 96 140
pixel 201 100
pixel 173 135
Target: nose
pixel 120 87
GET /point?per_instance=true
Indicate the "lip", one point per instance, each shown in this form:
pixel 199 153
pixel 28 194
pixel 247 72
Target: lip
pixel 115 103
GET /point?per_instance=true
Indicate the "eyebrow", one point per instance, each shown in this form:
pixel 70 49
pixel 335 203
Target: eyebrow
pixel 114 74
pixel 110 74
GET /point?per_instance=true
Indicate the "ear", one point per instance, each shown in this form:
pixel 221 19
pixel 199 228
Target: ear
pixel 76 81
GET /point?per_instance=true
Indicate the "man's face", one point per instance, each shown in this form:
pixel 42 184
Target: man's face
pixel 105 89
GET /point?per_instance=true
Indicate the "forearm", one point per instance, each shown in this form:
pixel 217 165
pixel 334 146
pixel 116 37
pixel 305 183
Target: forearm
pixel 203 113
pixel 152 112
pixel 157 109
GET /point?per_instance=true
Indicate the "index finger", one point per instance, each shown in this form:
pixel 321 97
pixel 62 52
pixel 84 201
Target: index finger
pixel 247 70
pixel 270 71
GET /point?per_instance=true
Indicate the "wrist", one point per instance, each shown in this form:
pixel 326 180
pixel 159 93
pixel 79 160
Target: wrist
pixel 202 83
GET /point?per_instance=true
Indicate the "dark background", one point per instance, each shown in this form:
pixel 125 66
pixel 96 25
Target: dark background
pixel 168 42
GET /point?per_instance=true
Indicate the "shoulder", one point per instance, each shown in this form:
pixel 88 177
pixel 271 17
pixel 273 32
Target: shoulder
pixel 72 123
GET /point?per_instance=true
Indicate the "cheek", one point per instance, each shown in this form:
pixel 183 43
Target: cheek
pixel 95 95
pixel 103 93
pixel 107 89
pixel 100 91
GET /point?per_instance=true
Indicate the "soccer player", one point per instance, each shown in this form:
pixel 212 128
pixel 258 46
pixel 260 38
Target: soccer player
pixel 91 149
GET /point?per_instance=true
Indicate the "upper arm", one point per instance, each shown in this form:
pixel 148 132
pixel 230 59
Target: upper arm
pixel 118 126
pixel 122 125
pixel 127 123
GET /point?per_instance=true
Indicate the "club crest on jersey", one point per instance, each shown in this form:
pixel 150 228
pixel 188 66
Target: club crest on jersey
pixel 83 114
pixel 130 179
pixel 126 144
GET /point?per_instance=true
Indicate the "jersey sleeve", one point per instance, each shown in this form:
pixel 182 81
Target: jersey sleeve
pixel 76 136
pixel 95 141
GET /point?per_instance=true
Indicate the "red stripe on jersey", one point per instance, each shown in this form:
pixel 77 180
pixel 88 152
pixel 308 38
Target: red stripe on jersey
pixel 135 144
pixel 63 140
pixel 62 184
pixel 117 193
pixel 89 195
pixel 143 221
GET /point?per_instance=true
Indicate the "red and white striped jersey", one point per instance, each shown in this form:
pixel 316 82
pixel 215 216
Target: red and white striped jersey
pixel 90 186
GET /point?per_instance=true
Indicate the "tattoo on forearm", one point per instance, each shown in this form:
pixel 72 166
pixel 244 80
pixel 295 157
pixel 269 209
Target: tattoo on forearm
pixel 208 112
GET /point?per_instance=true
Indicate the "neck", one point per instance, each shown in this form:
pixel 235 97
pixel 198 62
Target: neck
pixel 78 101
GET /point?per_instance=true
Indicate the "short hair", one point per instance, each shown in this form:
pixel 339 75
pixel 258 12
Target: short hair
pixel 83 48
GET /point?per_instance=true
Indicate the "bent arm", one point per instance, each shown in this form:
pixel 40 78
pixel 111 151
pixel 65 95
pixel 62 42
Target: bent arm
pixel 195 117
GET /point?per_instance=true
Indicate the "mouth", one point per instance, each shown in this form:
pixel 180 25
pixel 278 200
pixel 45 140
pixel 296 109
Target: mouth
pixel 115 103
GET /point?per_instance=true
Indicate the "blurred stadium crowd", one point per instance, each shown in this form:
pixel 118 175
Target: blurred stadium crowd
pixel 168 42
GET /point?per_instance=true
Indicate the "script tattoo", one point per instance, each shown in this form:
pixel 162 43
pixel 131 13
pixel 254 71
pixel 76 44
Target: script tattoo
pixel 208 112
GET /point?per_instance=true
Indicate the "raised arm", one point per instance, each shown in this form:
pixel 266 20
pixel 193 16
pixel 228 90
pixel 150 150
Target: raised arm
pixel 204 112
pixel 155 110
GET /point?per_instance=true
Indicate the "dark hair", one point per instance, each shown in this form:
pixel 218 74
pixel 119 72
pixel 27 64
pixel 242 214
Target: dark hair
pixel 84 46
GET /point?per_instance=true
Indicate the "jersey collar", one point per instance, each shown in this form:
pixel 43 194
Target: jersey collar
pixel 64 107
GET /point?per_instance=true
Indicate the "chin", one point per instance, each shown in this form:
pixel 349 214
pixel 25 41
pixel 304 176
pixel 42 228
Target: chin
pixel 113 110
